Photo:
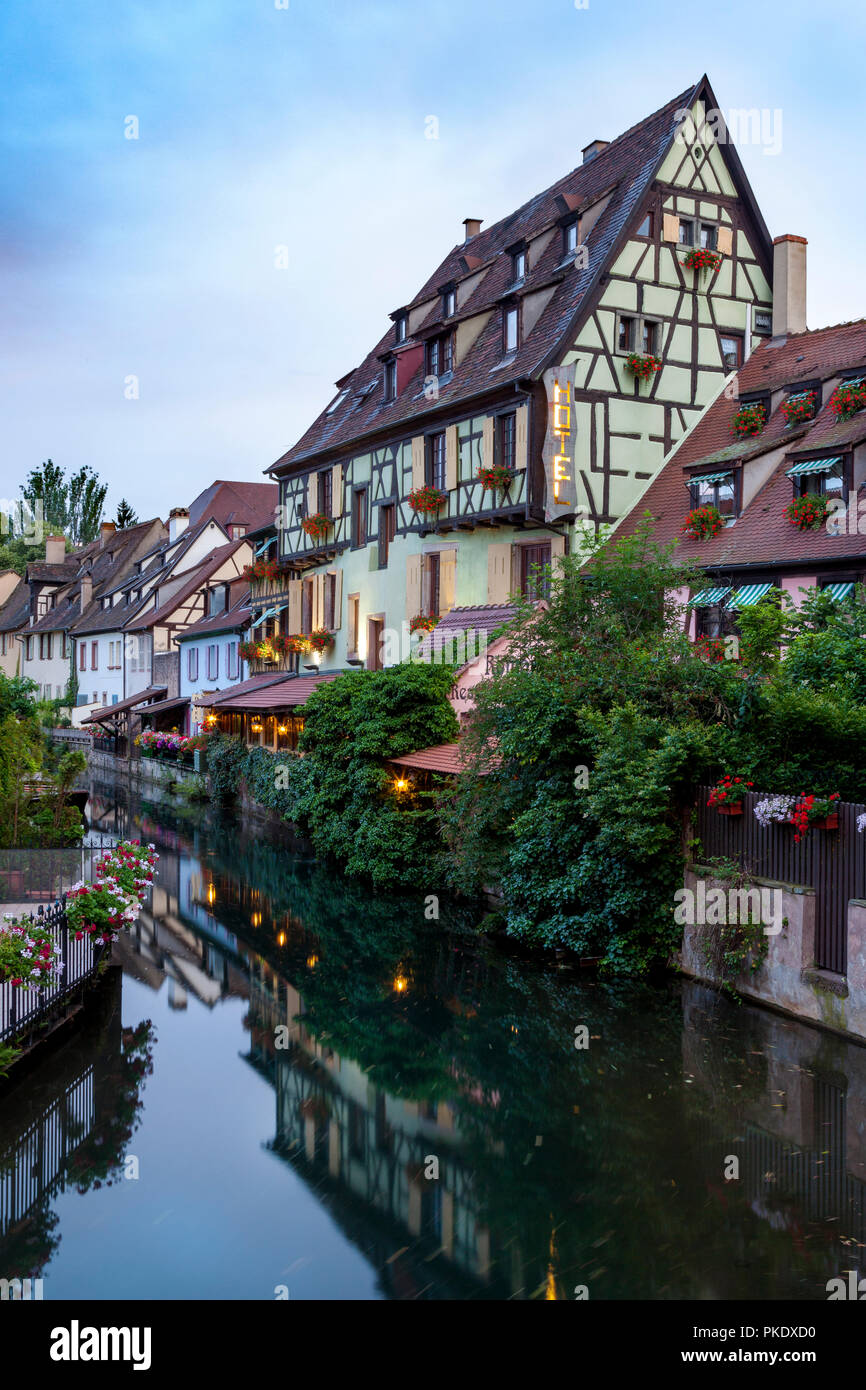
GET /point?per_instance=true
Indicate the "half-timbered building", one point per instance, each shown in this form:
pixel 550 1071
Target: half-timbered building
pixel 535 382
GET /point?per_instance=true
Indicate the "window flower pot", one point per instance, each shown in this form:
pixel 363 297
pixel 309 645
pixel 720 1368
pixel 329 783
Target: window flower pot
pixel 702 523
pixel 317 525
pixel 702 258
pixel 735 810
pixel 496 477
pixel 830 822
pixel 800 407
pixel 848 400
pixel 749 420
pixel 426 500
pixel 642 365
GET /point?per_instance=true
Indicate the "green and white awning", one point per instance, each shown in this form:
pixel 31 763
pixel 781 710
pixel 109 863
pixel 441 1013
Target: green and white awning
pixel 707 597
pixel 749 595
pixel 812 466
pixel 260 549
pixel 269 613
pixel 708 477
pixel 838 591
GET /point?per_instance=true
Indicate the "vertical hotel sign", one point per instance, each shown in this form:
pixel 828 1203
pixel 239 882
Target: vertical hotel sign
pixel 558 452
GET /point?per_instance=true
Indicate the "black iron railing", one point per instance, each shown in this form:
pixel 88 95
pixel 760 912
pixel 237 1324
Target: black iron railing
pixel 20 1008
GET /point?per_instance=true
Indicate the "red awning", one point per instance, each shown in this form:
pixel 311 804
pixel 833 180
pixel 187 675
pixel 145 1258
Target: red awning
pixel 284 694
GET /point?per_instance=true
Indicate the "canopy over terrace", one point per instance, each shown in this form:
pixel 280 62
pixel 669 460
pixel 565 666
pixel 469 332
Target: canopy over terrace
pixel 266 713
pixel 115 719
pixel 165 715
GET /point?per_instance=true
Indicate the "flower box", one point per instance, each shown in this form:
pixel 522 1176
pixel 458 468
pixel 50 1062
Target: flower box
pixel 749 420
pixel 702 258
pixel 317 525
pixel 735 810
pixel 728 794
pixel 808 512
pixel 423 622
pixel 800 407
pixel 496 477
pixel 702 523
pixel 847 400
pixel 426 499
pixel 642 365
pixel 830 822
pixel 321 639
pixel 813 812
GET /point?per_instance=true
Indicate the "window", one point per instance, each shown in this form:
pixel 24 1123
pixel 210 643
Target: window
pixel 440 355
pixel 43 604
pixel 330 601
pixel 687 232
pixel 213 662
pixel 324 491
pixel 387 531
pixel 715 621
pixel 307 606
pixel 510 328
pixel 569 238
pixel 232 661
pixel 336 402
pixel 709 233
pixel 218 598
pixel 94 656
pixel 359 519
pixel 533 558
pixel 400 328
pixel 192 663
pixel 732 350
pixel 647 226
pixel 3 648
pixel 430 586
pixel 715 490
pixel 354 621
pixel 518 264
pixel 45 646
pixel 506 440
pixel 391 380
pixel 650 336
pixel 449 302
pixel 830 482
pixel 626 334
pixel 436 461
pixel 28 648
pixel 82 656
pixel 64 646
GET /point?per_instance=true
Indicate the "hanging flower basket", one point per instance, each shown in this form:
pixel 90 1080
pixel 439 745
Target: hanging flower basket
pixel 426 499
pixel 799 408
pixel 499 476
pixel 642 365
pixel 701 258
pixel 702 523
pixel 847 400
pixel 320 639
pixel 727 795
pixel 263 569
pixel 29 955
pixel 808 512
pixel 814 813
pixel 288 646
pixel 423 622
pixel 749 420
pixel 318 525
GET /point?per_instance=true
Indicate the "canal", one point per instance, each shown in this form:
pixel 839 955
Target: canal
pixel 297 1088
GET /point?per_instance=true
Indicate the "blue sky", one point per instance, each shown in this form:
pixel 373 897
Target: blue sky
pixel 305 127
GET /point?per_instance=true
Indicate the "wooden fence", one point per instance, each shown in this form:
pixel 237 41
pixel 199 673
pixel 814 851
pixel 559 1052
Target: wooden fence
pixel 832 862
pixel 21 1008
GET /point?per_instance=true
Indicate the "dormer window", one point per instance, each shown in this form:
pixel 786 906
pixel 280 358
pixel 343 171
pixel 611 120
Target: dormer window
pixel 518 264
pixel 449 301
pixel 717 490
pixel 390 380
pixel 825 477
pixel 440 355
pixel 569 238
pixel 401 328
pixel 510 328
pixel 336 402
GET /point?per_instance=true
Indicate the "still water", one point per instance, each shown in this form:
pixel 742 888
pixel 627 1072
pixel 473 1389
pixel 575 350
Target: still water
pixel 297 1087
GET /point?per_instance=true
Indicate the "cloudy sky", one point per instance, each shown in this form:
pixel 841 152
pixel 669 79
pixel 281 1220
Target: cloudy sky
pixel 304 124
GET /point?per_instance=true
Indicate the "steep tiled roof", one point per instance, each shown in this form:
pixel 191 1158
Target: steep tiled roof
pixel 235 504
pixel 762 535
pixel 236 619
pixel 195 577
pixel 16 609
pixel 624 170
pixel 287 693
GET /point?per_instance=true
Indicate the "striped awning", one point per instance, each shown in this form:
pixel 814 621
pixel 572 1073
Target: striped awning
pixel 812 466
pixel 748 595
pixel 260 549
pixel 838 591
pixel 707 597
pixel 709 477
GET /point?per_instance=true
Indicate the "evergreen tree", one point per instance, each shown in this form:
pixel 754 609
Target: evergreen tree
pixel 126 515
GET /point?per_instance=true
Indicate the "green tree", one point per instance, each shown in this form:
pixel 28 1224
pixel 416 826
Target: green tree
pixel 73 506
pixel 126 515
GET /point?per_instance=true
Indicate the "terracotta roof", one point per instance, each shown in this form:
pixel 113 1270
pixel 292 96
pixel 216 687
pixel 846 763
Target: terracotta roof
pixel 196 578
pixel 219 697
pixel 235 503
pixel 287 693
pixel 108 711
pixel 625 171
pixel 16 609
pixel 442 757
pixel 483 617
pixel 234 620
pixel 762 535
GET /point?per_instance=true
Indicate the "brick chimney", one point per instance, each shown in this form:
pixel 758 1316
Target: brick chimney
pixel 472 227
pixel 594 148
pixel 55 550
pixel 789 285
pixel 106 531
pixel 178 520
pixel 86 591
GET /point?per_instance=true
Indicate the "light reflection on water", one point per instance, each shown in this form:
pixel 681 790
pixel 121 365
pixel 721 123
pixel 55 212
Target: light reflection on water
pixel 323 1093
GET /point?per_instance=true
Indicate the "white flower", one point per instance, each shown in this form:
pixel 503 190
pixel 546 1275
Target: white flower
pixel 774 810
pixel 861 822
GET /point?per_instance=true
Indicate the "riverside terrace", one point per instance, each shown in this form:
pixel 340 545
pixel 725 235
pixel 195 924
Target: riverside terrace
pixel 265 711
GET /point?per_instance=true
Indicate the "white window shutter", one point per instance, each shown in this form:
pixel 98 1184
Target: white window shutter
pixel 336 491
pixel 451 458
pixel 521 441
pixel 413 586
pixel 725 240
pixel 295 606
pixel 488 444
pixel 417 461
pixel 498 572
pixel 447 580
pixel 670 227
pixel 312 500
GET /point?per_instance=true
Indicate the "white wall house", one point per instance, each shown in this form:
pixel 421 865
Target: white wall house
pixel 210 657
